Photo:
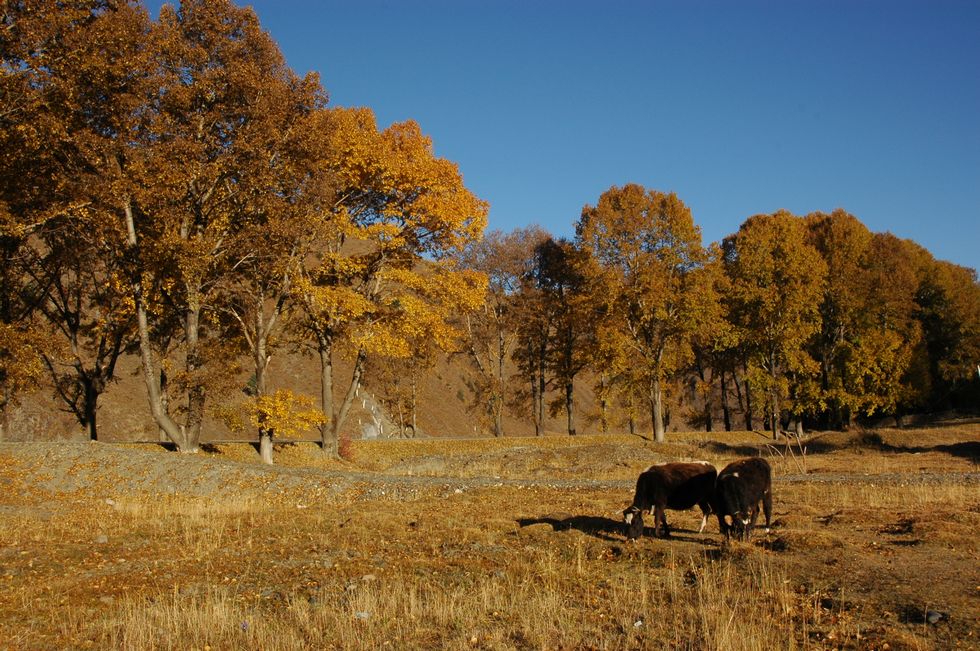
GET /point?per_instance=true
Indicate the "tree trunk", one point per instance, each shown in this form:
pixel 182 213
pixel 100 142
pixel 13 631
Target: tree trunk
pixel 570 407
pixel 4 415
pixel 774 391
pixel 415 396
pixel 707 399
pixel 657 411
pixel 542 387
pixel 261 366
pixel 355 384
pixel 534 401
pixel 328 442
pixel 748 404
pixel 164 404
pixel 197 392
pixel 498 417
pixel 160 416
pixel 163 420
pixel 330 430
pixel 603 406
pixel 265 446
pixel 799 426
pixel 498 414
pixel 725 409
pixel 91 407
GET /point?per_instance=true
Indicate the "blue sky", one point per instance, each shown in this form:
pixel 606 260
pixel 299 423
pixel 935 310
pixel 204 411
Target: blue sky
pixel 738 107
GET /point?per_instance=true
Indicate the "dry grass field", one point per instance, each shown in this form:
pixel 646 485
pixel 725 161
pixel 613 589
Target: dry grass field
pixel 486 544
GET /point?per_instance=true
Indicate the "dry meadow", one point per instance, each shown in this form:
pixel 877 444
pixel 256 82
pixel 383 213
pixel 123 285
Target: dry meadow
pixel 486 544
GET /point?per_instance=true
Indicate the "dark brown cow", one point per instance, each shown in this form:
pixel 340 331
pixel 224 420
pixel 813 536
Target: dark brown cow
pixel 676 486
pixel 739 489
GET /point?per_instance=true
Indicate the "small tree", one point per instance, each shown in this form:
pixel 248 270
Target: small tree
pixel 281 413
pixel 571 285
pixel 492 332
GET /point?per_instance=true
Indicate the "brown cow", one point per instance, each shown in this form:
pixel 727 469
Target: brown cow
pixel 677 486
pixel 740 487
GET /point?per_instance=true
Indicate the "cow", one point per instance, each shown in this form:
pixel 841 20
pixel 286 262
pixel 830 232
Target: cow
pixel 677 486
pixel 740 487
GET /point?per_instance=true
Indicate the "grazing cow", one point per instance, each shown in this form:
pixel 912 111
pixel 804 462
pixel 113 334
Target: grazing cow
pixel 740 486
pixel 676 486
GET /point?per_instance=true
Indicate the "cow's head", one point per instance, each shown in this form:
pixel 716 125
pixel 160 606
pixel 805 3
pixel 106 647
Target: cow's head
pixel 737 524
pixel 633 518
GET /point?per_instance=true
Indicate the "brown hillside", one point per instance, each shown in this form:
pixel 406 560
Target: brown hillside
pixel 445 405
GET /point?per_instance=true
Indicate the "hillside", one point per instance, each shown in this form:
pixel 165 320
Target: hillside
pixel 445 405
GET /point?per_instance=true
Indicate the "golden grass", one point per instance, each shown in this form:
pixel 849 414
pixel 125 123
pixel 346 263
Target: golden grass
pixel 513 566
pixel 541 602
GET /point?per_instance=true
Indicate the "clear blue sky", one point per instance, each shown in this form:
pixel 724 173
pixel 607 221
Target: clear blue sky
pixel 738 107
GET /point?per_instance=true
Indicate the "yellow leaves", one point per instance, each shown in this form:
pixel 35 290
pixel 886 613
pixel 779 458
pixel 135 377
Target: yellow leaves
pixel 384 340
pixel 391 290
pixel 286 413
pixel 20 362
pixel 392 178
pixel 333 302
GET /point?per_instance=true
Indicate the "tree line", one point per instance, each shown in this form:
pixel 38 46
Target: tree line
pixel 790 319
pixel 170 188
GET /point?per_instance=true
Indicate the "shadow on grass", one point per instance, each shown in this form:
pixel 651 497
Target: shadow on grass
pixel 608 529
pixel 729 449
pixel 860 441
pixel 873 441
pixel 593 525
pixel 967 450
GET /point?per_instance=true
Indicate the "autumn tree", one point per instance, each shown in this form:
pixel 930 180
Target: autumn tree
pixel 648 242
pixel 282 411
pixel 571 287
pixel 198 177
pixel 868 331
pixel 24 138
pixel 381 275
pixel 74 76
pixel 396 382
pixel 776 286
pixel 275 236
pixel 153 126
pixel 83 294
pixel 534 321
pixel 948 309
pixel 492 332
pixel 710 341
pixel 893 333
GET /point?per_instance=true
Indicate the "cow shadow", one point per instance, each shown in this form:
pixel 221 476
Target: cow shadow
pixel 611 530
pixel 592 525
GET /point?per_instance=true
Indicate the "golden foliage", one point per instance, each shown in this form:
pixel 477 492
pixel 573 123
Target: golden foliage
pixel 283 412
pixel 20 362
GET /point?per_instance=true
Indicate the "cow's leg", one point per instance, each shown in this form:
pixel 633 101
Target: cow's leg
pixel 659 522
pixel 767 506
pixel 753 516
pixel 722 525
pixel 705 511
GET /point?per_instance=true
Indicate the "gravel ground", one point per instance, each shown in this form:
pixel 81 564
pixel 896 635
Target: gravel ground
pixel 58 467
